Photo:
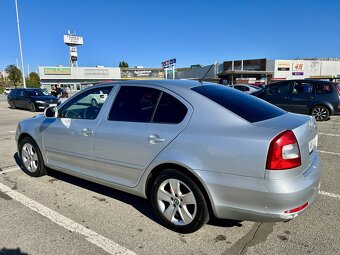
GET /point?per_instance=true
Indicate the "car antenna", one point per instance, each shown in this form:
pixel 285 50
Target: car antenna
pixel 201 80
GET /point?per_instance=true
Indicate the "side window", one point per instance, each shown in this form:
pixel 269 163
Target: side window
pixel 245 88
pixel 323 88
pixel 86 105
pixel 302 88
pixel 239 87
pixel 169 110
pixel 283 88
pixel 134 104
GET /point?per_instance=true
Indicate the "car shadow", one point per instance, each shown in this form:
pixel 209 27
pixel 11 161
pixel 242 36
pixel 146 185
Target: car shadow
pixel 139 203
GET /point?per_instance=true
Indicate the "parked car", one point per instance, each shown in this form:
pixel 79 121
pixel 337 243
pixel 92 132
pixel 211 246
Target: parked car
pixel 182 145
pixel 314 97
pixel 7 91
pixel 245 88
pixel 31 99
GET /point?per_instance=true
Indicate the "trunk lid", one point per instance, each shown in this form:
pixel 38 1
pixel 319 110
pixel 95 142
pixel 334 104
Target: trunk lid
pixel 305 130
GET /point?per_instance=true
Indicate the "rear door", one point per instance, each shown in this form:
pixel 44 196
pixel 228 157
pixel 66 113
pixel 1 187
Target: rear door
pixel 143 120
pixel 22 99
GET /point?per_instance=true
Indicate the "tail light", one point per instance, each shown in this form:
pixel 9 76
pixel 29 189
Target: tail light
pixel 337 88
pixel 284 152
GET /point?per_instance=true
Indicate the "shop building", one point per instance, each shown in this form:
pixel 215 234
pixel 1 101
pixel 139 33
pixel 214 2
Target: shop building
pixel 77 78
pixel 266 71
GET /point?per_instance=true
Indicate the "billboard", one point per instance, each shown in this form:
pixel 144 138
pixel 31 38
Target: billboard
pixel 73 40
pixel 57 71
pixel 140 73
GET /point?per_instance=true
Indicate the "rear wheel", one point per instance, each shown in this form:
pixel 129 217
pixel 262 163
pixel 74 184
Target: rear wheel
pixel 31 158
pixel 11 105
pixel 178 202
pixel 320 113
pixel 32 107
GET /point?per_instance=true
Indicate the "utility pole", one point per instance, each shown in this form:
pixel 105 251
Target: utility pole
pixel 22 59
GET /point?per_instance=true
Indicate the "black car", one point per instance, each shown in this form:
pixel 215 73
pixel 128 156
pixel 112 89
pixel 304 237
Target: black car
pixel 32 99
pixel 318 98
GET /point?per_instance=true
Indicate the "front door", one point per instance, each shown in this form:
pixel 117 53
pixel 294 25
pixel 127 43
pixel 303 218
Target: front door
pixel 68 139
pixel 279 95
pixel 302 97
pixel 140 124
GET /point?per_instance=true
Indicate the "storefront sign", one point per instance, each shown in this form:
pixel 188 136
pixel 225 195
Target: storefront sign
pixel 57 71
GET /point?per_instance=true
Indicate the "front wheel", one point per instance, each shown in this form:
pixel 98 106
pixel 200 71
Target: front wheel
pixel 31 158
pixel 320 113
pixel 32 107
pixel 178 202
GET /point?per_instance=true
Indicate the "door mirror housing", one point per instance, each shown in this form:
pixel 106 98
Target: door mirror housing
pixel 51 112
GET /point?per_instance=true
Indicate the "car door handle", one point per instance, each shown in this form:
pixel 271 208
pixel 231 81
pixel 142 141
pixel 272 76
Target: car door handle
pixel 86 132
pixel 154 138
pixel 285 97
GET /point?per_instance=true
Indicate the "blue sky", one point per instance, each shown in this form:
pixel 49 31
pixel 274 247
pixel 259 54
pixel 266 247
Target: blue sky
pixel 145 33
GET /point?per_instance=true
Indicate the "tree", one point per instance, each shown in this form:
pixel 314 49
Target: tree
pixel 123 64
pixel 14 74
pixel 33 80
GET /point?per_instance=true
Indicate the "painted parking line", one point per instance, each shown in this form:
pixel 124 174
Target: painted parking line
pixel 329 152
pixel 329 194
pixel 328 123
pixel 328 134
pixel 104 243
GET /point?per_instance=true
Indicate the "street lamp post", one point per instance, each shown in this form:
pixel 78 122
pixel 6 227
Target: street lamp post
pixel 22 59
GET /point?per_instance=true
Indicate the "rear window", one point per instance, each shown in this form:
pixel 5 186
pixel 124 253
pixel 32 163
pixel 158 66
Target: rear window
pixel 323 88
pixel 247 107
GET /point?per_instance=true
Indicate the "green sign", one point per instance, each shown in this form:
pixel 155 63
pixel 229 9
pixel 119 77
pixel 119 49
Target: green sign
pixel 57 71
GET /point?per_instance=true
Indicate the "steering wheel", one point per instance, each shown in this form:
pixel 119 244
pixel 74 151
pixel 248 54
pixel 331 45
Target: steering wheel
pixel 72 115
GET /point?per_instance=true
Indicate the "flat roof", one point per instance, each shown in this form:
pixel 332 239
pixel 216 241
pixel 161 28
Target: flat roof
pixel 244 72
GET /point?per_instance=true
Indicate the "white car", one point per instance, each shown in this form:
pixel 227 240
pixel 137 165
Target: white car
pixel 7 91
pixel 245 88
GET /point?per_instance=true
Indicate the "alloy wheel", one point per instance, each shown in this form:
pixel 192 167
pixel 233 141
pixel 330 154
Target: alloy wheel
pixel 176 202
pixel 320 113
pixel 30 157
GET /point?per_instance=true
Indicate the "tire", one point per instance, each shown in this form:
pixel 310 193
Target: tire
pixel 94 103
pixel 321 113
pixel 11 105
pixel 32 107
pixel 31 159
pixel 182 209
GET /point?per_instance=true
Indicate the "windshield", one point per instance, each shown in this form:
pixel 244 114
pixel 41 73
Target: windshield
pixel 38 92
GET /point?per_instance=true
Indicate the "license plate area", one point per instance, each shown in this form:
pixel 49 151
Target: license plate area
pixel 313 144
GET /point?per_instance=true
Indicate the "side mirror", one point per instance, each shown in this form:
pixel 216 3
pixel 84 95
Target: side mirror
pixel 51 112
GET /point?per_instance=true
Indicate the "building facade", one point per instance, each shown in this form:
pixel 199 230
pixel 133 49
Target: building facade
pixel 76 78
pixel 266 71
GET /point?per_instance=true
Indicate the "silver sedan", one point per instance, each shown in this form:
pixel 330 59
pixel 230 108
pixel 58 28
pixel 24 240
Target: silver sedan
pixel 195 150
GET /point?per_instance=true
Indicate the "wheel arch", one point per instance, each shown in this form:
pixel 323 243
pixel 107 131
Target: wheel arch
pixel 159 168
pixel 328 106
pixel 25 135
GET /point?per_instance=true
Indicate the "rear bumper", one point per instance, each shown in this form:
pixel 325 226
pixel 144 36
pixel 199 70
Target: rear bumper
pixel 244 198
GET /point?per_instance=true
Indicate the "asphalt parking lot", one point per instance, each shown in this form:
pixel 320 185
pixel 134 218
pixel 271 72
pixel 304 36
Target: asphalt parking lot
pixel 61 214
